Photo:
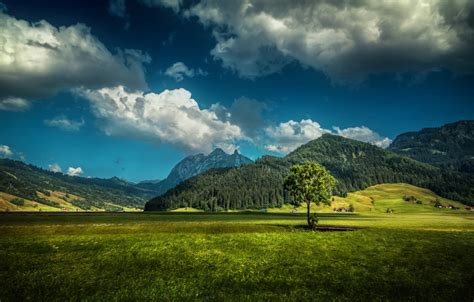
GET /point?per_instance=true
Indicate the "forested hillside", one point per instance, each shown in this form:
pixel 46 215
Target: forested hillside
pixel 356 166
pixel 450 146
pixel 196 164
pixel 32 183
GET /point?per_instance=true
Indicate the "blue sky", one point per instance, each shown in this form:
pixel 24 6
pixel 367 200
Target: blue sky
pixel 246 75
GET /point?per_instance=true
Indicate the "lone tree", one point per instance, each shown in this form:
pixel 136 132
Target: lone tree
pixel 308 183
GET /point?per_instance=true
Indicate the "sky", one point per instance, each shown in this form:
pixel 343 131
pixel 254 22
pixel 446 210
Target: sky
pixel 128 88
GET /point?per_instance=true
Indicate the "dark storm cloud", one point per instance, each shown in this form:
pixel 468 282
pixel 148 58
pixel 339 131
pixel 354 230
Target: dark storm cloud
pixel 347 40
pixel 246 113
pixel 38 60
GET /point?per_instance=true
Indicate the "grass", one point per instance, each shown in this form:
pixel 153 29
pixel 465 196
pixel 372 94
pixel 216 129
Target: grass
pixel 63 200
pixel 378 198
pixel 236 256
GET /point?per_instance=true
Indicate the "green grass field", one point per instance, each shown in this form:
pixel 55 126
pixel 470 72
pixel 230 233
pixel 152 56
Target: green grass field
pixel 235 256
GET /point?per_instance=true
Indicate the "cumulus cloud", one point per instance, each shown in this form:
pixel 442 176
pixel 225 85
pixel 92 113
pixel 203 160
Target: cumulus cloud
pixel 347 40
pixel 171 116
pixel 14 104
pixel 74 171
pixel 64 123
pixel 38 59
pixel 5 151
pixel 179 70
pixel 288 136
pixel 364 134
pixel 56 168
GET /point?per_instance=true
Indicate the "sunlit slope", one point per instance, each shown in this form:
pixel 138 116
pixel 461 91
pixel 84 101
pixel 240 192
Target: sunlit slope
pixel 33 183
pixel 13 203
pixel 379 198
pixel 58 201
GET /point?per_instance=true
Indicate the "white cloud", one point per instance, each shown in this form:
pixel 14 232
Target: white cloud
pixel 364 134
pixel 179 70
pixel 347 40
pixel 74 171
pixel 62 122
pixel 5 151
pixel 14 104
pixel 38 59
pixel 56 168
pixel 288 136
pixel 171 116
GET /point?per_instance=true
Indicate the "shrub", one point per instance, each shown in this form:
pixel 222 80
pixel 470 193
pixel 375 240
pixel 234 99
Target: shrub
pixel 351 208
pixel 314 219
pixel 409 198
pixel 18 202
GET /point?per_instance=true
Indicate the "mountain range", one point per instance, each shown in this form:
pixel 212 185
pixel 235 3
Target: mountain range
pixel 435 158
pixel 196 164
pixel 39 186
pixel 356 165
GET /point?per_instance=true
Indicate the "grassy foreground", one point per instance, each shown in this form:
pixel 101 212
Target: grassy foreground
pixel 235 256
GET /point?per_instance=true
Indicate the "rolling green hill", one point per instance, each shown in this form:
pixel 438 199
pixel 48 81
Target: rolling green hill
pixel 41 189
pixel 399 197
pixel 356 166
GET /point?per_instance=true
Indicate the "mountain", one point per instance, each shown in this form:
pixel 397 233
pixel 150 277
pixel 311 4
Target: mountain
pixel 356 166
pixel 196 164
pixel 450 146
pixel 61 191
pixel 149 181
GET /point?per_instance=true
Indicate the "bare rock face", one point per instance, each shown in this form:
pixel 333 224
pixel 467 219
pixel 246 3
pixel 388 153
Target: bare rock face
pixel 196 164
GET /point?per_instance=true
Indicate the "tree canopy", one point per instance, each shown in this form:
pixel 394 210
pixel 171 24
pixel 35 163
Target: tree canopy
pixel 310 182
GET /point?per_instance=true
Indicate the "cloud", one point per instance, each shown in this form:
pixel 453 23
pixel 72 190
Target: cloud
pixel 117 8
pixel 179 70
pixel 74 171
pixel 38 60
pixel 14 104
pixel 22 157
pixel 247 113
pixel 175 5
pixel 57 169
pixel 288 136
pixel 5 151
pixel 171 116
pixel 347 40
pixel 62 122
pixel 364 134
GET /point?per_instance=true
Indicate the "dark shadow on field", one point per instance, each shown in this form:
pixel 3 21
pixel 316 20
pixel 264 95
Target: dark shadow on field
pixel 71 216
pixel 327 228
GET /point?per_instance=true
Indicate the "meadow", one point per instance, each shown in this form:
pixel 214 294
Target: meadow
pixel 236 256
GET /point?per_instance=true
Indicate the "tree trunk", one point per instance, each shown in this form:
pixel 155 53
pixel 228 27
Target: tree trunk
pixel 308 203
